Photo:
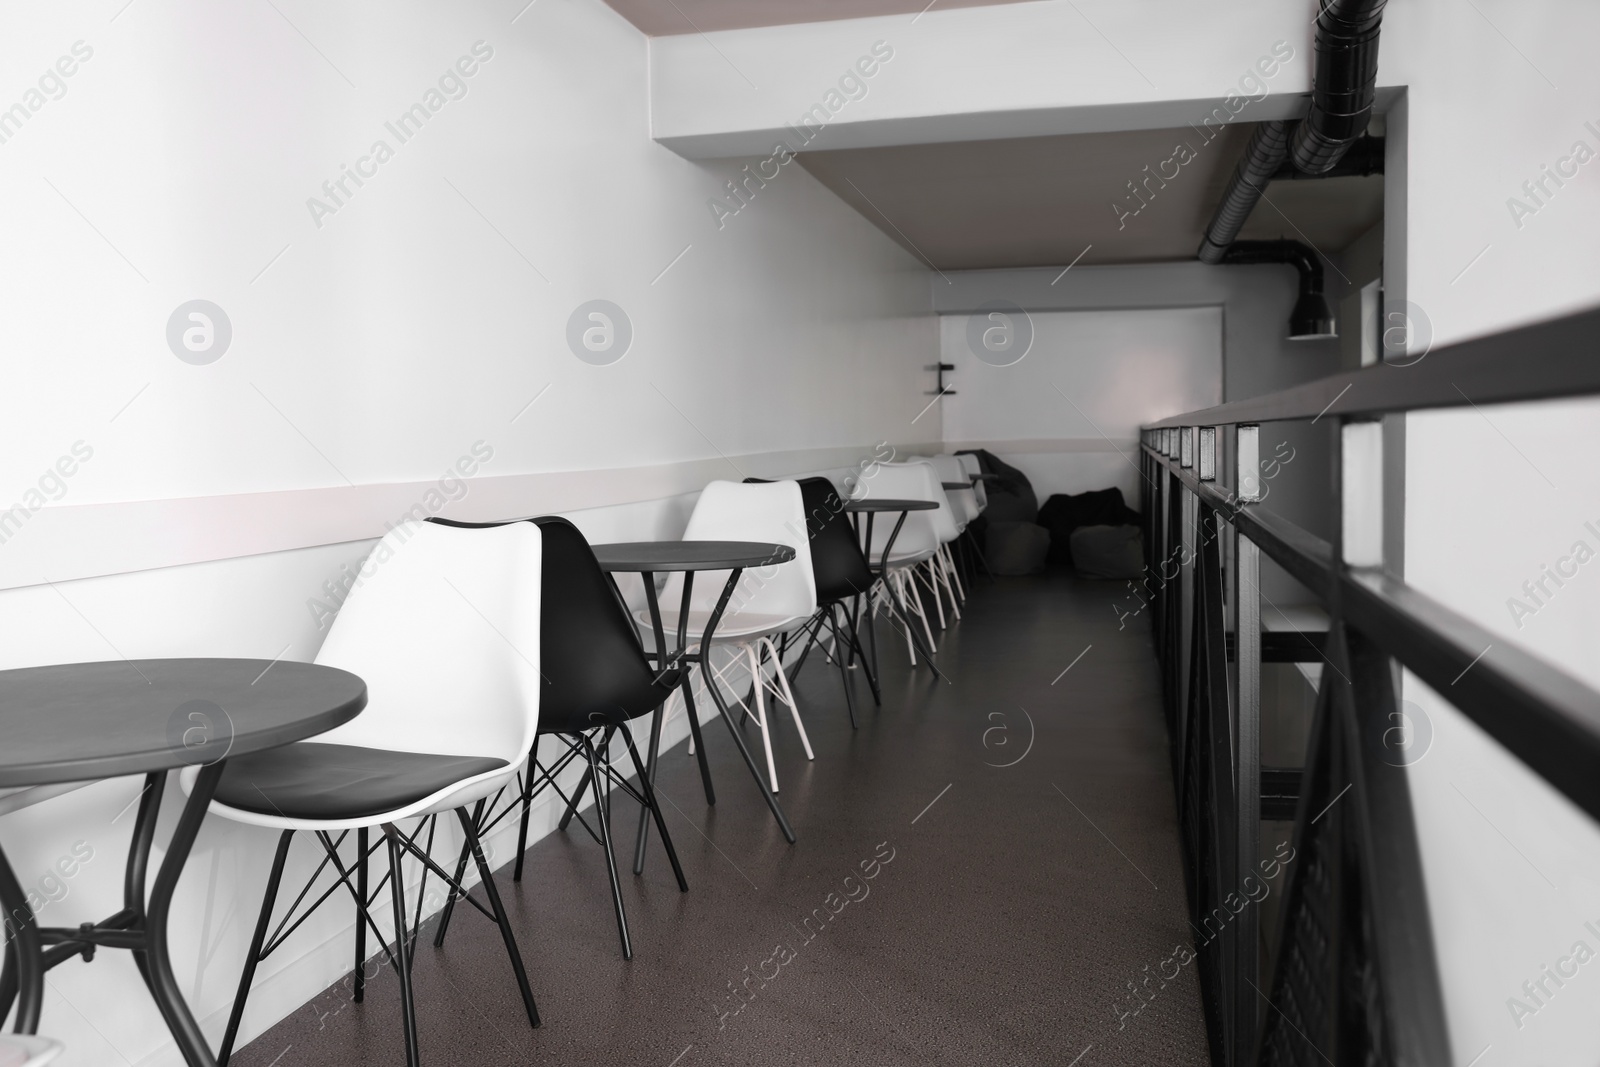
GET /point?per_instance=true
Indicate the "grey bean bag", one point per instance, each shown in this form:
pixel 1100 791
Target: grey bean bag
pixel 1016 547
pixel 1108 551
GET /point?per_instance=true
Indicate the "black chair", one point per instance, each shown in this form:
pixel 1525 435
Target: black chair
pixel 843 576
pixel 596 680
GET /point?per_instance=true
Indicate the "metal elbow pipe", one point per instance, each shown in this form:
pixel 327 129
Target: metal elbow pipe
pixel 1344 83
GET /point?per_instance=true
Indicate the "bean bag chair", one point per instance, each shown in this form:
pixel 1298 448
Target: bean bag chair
pixel 1016 547
pixel 1108 551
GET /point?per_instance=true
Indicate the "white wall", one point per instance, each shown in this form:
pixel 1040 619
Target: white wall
pixel 367 356
pixel 1257 357
pixel 1067 413
pixel 1496 493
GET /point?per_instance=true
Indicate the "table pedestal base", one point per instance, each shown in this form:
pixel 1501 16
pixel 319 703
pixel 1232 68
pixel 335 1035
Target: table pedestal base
pixel 140 927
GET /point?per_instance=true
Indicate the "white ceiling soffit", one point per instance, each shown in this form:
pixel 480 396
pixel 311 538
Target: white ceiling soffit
pixel 662 18
pixel 1127 197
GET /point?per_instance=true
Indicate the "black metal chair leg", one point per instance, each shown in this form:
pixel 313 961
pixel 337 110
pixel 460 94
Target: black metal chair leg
pixel 654 753
pixel 527 807
pixel 844 669
pixel 449 908
pixel 868 667
pixel 577 798
pixel 650 803
pixel 814 627
pixel 490 890
pixel 402 945
pixel 359 992
pixel 253 956
pixel 602 816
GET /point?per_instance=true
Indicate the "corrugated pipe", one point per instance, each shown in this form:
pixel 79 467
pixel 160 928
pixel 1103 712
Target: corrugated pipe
pixel 1268 148
pixel 1343 83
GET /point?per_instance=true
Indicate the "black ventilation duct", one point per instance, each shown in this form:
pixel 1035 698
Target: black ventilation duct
pixel 1342 84
pixel 1268 148
pixel 1342 87
pixel 1311 318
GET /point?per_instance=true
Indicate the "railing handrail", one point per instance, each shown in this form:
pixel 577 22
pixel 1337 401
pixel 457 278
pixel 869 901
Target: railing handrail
pixel 1545 716
pixel 1548 360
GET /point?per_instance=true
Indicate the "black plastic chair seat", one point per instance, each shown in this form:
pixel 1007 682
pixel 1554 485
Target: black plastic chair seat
pixel 309 780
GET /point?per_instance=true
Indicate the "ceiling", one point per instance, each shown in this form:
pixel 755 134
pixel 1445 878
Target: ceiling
pixel 662 18
pixel 1041 201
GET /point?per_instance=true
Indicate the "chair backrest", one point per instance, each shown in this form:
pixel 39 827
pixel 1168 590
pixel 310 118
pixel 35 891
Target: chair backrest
pixel 963 504
pixel 773 512
pixel 443 625
pixel 923 531
pixel 970 464
pixel 837 564
pixel 594 666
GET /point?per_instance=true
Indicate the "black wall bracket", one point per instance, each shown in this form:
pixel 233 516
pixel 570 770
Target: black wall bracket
pixel 941 368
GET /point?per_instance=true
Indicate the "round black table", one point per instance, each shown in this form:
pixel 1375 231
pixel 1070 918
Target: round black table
pixel 872 507
pixel 647 559
pixel 89 721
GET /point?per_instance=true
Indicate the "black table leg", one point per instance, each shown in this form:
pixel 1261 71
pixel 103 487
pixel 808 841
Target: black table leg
pixel 24 953
pixel 655 719
pixel 688 689
pixel 704 660
pixel 163 985
pixel 135 877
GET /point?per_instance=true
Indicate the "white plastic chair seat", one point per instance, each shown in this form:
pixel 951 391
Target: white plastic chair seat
pixel 733 628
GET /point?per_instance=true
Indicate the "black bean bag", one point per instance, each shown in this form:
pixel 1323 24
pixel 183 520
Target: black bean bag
pixel 1064 513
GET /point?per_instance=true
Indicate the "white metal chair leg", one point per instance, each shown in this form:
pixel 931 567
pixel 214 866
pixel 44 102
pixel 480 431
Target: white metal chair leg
pixel 954 572
pixel 898 577
pixel 922 613
pixel 932 564
pixel 761 711
pixel 781 690
pixel 947 572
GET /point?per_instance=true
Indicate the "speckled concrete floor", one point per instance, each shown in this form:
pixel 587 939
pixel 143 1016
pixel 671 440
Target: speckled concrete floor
pixel 1018 825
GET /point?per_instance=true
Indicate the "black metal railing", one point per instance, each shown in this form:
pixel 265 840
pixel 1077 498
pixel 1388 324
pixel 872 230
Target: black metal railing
pixel 1351 977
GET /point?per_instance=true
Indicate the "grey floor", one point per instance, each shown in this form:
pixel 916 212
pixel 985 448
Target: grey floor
pixel 1017 823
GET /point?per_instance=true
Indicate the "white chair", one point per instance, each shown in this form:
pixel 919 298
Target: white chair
pixel 970 464
pixel 444 628
pixel 767 600
pixel 917 542
pixel 964 508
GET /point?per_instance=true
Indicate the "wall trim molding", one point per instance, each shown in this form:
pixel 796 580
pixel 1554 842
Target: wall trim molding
pixel 1035 445
pixel 67 542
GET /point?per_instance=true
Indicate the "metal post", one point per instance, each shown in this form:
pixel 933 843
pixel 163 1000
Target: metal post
pixel 1247 740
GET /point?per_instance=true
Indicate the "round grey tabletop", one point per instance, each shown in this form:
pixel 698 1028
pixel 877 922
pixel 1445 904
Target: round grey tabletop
pixel 74 722
pixel 656 556
pixel 871 505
